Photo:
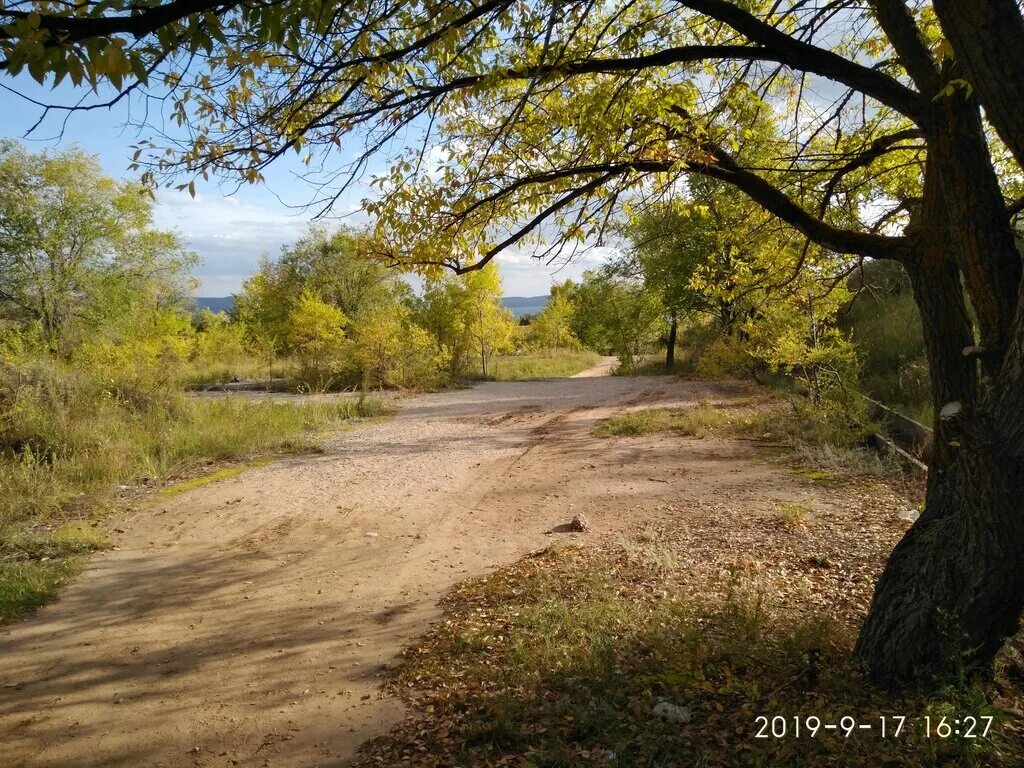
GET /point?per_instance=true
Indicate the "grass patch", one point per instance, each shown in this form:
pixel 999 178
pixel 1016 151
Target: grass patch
pixel 792 516
pixel 80 457
pixel 697 421
pixel 35 565
pixel 197 375
pixel 69 440
pixel 556 364
pixel 30 584
pixel 592 658
pixel 220 474
pixel 824 445
pixel 818 476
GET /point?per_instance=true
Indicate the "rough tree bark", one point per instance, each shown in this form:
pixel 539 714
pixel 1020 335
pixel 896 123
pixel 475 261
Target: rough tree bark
pixel 953 588
pixel 988 36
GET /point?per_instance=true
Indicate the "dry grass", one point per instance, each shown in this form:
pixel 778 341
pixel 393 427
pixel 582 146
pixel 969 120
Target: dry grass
pixel 821 443
pixel 197 375
pixel 611 656
pixel 69 440
pixel 554 364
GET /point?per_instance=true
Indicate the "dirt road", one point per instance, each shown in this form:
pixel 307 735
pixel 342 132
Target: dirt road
pixel 603 368
pixel 248 622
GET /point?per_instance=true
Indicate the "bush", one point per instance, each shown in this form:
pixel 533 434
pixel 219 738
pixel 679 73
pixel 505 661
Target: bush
pixel 316 336
pixel 140 354
pixel 387 350
pixel 220 341
pixel 723 358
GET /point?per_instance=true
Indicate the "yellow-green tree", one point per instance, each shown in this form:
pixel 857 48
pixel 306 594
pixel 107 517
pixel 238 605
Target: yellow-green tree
pixel 616 313
pixel 389 350
pixel 552 327
pixel 264 307
pixel 466 319
pixel 771 295
pixel 316 336
pixel 490 325
pixel 78 252
pixel 219 339
pixel 337 266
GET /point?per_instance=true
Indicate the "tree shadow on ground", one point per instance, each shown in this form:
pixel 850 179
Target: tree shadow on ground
pixel 588 658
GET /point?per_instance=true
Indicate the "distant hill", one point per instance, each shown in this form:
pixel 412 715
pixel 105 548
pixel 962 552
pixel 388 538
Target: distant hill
pixel 519 305
pixel 215 303
pixel 525 305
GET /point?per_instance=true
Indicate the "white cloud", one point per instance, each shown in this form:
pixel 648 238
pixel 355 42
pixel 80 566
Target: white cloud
pixel 228 233
pixel 526 275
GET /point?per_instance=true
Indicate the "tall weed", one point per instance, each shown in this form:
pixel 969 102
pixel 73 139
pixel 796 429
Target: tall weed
pixel 68 439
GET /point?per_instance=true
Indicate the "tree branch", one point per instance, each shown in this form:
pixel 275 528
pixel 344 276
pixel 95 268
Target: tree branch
pixel 898 24
pixel 539 219
pixel 1012 209
pixel 75 29
pixel 803 56
pixel 876 149
pixel 778 203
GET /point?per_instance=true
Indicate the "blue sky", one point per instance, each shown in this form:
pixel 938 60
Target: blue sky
pixel 230 230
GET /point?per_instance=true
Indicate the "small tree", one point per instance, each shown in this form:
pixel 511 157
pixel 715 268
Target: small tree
pixel 489 325
pixel 316 336
pixel 390 351
pixel 264 308
pixel 552 328
pixel 77 248
pixel 219 339
pixel 466 319
pixel 619 314
pixel 333 265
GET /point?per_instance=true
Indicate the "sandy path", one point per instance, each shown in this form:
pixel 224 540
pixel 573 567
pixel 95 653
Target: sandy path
pixel 603 368
pixel 248 622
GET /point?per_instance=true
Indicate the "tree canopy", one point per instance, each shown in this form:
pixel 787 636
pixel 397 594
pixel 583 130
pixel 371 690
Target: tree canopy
pixel 78 248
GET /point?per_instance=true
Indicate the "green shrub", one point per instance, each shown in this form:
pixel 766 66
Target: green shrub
pixel 316 335
pixel 68 439
pixel 723 358
pixel 885 325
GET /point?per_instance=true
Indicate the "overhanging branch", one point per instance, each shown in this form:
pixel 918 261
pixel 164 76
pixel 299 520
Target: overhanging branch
pixel 805 57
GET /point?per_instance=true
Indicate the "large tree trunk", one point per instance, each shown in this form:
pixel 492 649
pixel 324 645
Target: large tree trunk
pixel 987 37
pixel 953 588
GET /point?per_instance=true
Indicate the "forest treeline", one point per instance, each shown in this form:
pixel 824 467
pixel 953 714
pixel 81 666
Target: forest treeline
pixel 712 285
